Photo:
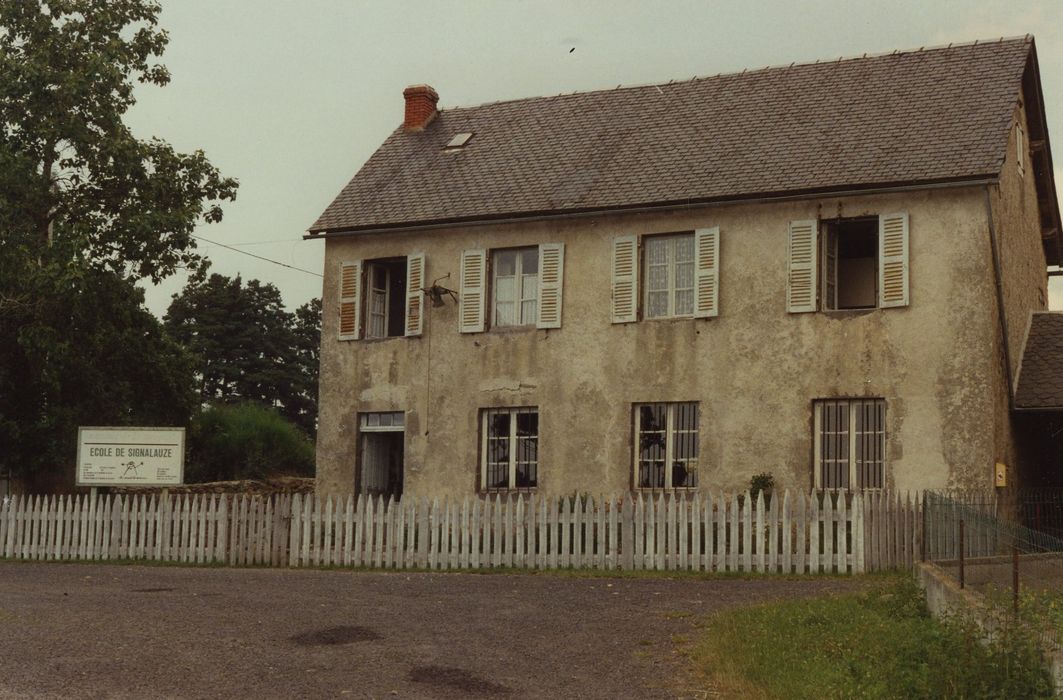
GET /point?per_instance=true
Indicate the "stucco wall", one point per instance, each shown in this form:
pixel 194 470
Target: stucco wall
pixel 755 369
pixel 1024 285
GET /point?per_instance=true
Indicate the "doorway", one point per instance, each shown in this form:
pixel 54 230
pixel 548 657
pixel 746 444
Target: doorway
pixel 381 456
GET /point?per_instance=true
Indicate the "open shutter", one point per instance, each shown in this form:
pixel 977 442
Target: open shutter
pixel 801 263
pixel 350 302
pixel 707 272
pixel 893 260
pixel 551 281
pixel 473 291
pixel 625 279
pixel 414 294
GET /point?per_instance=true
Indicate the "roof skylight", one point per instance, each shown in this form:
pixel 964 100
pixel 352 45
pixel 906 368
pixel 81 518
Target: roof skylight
pixel 459 140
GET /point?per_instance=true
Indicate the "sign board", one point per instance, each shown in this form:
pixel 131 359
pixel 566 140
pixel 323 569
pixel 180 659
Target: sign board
pixel 131 456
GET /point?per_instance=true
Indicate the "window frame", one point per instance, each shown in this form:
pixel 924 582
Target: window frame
pixel 829 235
pixel 1020 148
pixel 671 289
pixel 669 450
pixel 519 276
pixel 513 441
pixel 854 472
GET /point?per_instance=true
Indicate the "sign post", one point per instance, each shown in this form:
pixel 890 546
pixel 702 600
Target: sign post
pixel 130 457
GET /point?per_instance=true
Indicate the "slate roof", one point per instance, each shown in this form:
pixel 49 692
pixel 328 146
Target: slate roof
pixel 1041 372
pixel 923 116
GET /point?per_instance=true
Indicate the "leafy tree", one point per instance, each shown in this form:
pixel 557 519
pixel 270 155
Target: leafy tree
pixel 247 347
pixel 246 441
pixel 86 209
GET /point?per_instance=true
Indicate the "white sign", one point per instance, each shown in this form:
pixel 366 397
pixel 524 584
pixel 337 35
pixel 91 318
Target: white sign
pixel 131 456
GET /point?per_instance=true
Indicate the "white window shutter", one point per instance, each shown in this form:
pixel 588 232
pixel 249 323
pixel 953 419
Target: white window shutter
pixel 893 260
pixel 350 300
pixel 473 291
pixel 414 294
pixel 625 279
pixel 551 283
pixel 801 266
pixel 707 272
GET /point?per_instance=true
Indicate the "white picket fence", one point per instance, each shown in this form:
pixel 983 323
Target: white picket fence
pixel 798 533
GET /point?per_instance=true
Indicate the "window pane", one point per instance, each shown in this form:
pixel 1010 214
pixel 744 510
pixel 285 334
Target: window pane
pixel 498 424
pixel 684 276
pixel 506 262
pixel 505 289
pixel 684 302
pixel 657 304
pixel 657 277
pixel 529 261
pixel 506 314
pixel 528 423
pixel 684 249
pixel 656 251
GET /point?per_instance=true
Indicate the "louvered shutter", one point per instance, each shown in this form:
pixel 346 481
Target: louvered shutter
pixel 551 281
pixel 414 294
pixel 350 301
pixel 801 267
pixel 625 279
pixel 893 260
pixel 473 291
pixel 707 272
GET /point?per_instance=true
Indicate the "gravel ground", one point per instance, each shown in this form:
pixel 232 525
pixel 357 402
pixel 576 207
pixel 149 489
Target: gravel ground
pixel 80 630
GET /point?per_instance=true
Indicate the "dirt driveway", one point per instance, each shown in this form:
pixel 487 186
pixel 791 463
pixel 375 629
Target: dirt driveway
pixel 79 630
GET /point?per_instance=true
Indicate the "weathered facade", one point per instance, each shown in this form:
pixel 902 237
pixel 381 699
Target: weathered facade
pixel 626 328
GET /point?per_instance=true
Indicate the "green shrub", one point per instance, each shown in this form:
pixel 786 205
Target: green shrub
pixel 246 441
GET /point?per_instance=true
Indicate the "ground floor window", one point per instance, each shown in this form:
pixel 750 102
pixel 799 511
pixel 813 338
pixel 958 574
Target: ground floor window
pixel 849 443
pixel 510 448
pixel 666 436
pixel 382 449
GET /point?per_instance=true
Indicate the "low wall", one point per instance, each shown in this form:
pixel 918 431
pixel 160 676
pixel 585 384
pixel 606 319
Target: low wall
pixel 944 596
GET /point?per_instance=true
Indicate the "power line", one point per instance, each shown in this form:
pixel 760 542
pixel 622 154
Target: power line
pixel 244 252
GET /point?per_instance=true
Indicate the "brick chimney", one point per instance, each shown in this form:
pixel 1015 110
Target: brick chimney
pixel 420 106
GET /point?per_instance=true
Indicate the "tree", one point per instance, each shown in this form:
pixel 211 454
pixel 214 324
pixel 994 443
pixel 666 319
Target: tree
pixel 86 209
pixel 246 441
pixel 247 347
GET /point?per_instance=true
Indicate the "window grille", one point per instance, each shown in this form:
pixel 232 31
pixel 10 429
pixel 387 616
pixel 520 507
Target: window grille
pixel 667 445
pixel 850 443
pixel 510 449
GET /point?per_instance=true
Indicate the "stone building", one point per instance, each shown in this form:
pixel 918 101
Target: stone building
pixel 821 271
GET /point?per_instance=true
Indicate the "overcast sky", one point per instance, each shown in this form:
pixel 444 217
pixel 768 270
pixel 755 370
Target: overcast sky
pixel 292 97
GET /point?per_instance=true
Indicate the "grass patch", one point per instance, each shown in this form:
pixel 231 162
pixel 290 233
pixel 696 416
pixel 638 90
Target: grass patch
pixel 881 643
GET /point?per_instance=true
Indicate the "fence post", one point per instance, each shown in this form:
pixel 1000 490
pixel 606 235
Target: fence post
pixel 961 555
pixel 922 548
pixel 1015 579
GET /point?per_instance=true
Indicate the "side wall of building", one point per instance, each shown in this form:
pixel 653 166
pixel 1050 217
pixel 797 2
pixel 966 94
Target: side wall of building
pixel 1024 288
pixel 755 370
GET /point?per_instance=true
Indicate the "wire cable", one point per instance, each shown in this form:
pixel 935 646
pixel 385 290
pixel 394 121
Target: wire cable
pixel 244 252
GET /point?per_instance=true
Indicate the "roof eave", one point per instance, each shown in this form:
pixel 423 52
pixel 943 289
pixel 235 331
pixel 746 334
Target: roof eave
pixel 1052 230
pixel 513 217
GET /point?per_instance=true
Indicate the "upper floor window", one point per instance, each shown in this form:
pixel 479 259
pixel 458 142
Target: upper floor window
pixel 849 443
pixel 381 298
pixel 666 436
pixel 858 263
pixel 669 265
pixel 521 287
pixel 1020 148
pixel 515 287
pixel 509 453
pixel 678 274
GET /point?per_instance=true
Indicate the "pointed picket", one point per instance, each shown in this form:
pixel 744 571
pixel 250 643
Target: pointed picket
pixel 694 524
pixel 638 532
pixel 747 532
pixel 814 526
pixel 759 533
pixel 651 533
pixel 842 547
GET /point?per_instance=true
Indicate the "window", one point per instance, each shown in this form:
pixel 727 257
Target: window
pixel 849 443
pixel 382 447
pixel 1020 148
pixel 850 264
pixel 667 445
pixel 515 287
pixel 856 263
pixel 520 287
pixel 669 266
pixel 510 448
pixel 381 298
pixel 679 275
